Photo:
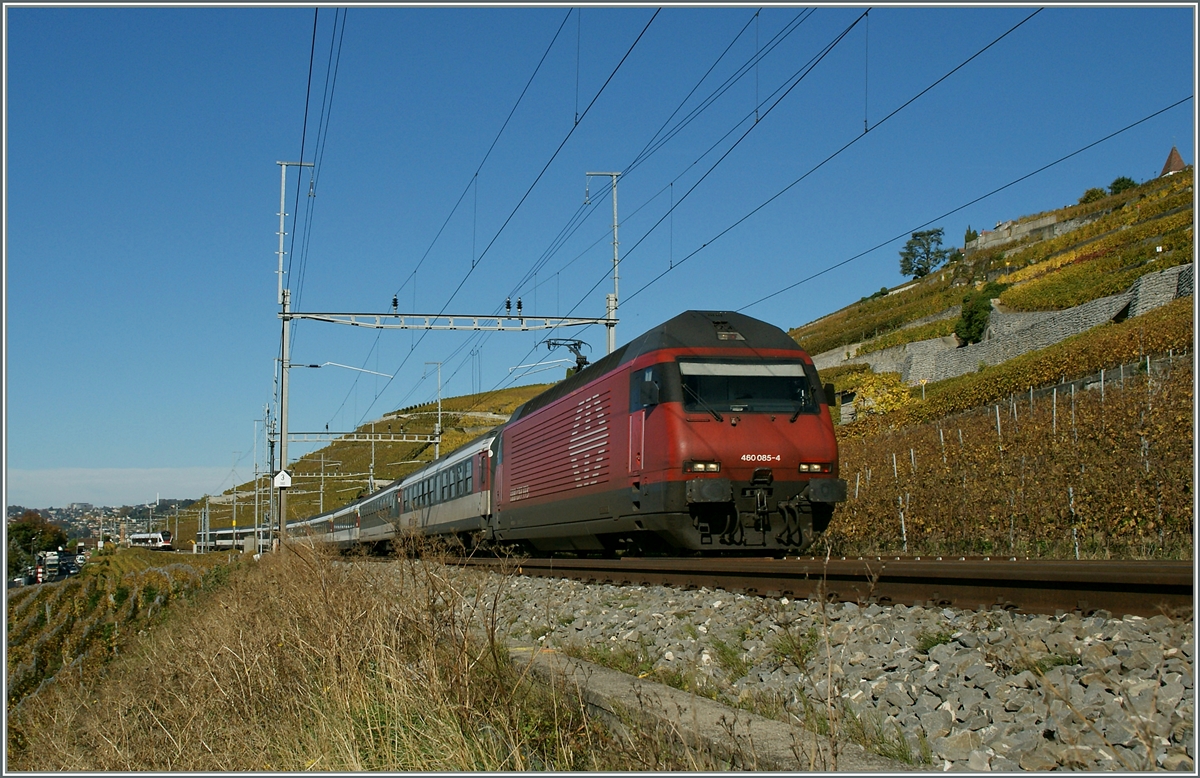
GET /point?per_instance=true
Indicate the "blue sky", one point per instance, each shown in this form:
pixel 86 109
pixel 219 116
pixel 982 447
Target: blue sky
pixel 142 192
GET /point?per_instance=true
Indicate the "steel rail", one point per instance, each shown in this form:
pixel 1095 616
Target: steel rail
pixel 1142 588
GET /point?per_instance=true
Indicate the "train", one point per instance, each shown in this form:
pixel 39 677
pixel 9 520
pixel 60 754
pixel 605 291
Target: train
pixel 234 539
pixel 709 433
pixel 157 540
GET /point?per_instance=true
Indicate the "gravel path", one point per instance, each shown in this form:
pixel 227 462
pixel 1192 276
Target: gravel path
pixel 963 690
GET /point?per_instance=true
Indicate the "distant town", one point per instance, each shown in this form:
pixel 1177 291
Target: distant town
pixel 85 522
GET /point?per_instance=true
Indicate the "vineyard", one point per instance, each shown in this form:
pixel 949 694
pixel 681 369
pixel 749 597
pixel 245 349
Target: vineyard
pixel 1087 474
pixel 73 627
pixel 1162 331
pixel 865 320
pixel 1149 210
pixel 934 329
pixel 1100 257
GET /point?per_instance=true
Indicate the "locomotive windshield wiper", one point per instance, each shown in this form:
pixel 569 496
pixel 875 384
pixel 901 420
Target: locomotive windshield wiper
pixel 703 404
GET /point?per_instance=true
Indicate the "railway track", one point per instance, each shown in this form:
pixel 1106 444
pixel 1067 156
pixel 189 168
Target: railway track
pixel 1141 588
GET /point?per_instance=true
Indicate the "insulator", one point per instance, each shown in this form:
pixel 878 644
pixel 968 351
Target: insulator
pixel 518 306
pixel 508 305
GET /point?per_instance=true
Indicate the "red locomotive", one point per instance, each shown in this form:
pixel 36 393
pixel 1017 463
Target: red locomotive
pixel 710 432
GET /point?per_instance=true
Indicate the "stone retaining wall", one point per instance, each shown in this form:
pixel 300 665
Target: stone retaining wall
pixel 1010 335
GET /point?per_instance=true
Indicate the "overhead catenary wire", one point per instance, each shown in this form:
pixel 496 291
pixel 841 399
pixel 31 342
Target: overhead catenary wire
pixel 775 98
pixel 952 211
pixel 303 140
pixel 829 158
pixel 475 177
pixel 524 197
pixel 332 66
pixel 651 147
pixel 656 142
pixel 473 183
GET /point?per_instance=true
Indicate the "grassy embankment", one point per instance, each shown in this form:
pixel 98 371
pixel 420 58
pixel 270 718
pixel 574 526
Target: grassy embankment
pixel 303 661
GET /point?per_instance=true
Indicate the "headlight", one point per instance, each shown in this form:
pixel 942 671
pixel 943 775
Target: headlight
pixel 701 467
pixel 815 467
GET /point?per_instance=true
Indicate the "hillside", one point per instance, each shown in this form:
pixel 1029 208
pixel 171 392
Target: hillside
pixel 1044 264
pixel 1076 254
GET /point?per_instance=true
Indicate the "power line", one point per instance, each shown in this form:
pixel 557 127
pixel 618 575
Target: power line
pixel 516 208
pixel 474 178
pixel 823 162
pixel 786 89
pixel 303 138
pixel 799 75
pixel 725 86
pixel 968 204
pixel 326 113
pixel 652 147
pixel 472 182
pixel 575 222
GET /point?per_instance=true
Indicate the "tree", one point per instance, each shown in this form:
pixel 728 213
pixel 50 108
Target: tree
pixel 970 235
pixel 1121 184
pixel 1092 195
pixel 923 253
pixel 28 534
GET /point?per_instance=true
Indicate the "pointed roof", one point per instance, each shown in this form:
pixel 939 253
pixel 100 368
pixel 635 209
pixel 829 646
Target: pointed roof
pixel 1174 163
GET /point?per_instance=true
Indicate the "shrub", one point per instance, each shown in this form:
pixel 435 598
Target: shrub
pixel 880 393
pixel 977 306
pixel 1092 195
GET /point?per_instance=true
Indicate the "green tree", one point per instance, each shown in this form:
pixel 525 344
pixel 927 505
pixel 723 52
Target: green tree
pixel 970 235
pixel 923 253
pixel 1092 195
pixel 976 308
pixel 28 534
pixel 1121 184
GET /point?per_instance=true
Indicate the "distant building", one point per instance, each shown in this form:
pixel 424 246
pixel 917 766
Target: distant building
pixel 79 506
pixel 1174 163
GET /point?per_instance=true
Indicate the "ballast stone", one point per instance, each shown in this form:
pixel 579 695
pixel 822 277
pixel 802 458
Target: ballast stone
pixel 986 687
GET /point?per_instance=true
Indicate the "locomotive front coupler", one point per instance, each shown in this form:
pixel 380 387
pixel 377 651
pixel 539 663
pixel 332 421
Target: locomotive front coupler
pixel 760 488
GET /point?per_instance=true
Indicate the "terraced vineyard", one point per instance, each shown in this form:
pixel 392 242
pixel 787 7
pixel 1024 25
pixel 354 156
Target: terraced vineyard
pixel 1118 240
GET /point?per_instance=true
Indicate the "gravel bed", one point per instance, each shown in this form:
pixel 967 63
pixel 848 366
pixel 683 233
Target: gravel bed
pixel 965 690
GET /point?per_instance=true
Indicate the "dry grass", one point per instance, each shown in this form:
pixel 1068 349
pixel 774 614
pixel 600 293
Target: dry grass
pixel 306 661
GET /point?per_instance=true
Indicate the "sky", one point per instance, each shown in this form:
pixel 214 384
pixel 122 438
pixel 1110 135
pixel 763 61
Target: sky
pixel 450 148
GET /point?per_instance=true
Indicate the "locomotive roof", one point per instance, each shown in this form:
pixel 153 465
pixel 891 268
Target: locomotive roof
pixel 742 335
pixel 712 329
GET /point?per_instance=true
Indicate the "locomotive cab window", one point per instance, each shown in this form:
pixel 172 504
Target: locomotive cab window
pixel 747 387
pixel 645 387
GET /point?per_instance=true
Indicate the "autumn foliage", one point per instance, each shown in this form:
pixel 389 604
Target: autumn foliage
pixel 1110 471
